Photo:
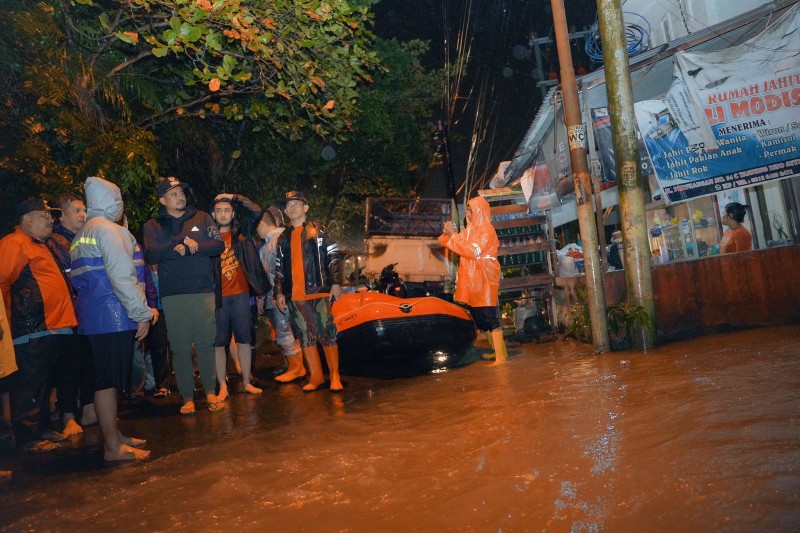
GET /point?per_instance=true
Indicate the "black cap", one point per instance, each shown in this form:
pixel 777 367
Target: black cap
pixel 294 195
pixel 169 183
pixel 34 204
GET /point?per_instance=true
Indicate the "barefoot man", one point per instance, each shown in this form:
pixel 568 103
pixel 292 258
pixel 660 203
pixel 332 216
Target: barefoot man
pixel 108 276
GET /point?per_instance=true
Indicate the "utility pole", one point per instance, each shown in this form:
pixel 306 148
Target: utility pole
pixel 576 134
pixel 638 277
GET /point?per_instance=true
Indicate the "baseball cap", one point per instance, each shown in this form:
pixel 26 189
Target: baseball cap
pixel 294 195
pixel 169 183
pixel 34 204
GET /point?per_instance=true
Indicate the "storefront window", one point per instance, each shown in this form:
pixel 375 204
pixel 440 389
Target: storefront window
pixel 689 230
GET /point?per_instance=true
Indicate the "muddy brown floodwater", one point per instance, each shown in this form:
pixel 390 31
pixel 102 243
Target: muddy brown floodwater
pixel 700 435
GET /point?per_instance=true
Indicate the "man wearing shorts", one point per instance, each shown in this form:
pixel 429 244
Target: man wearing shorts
pixel 241 274
pixel 108 276
pixel 307 270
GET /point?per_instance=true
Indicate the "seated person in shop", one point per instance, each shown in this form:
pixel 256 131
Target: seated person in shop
pixel 736 238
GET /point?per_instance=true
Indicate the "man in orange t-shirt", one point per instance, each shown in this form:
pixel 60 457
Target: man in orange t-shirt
pixel 307 274
pixel 242 273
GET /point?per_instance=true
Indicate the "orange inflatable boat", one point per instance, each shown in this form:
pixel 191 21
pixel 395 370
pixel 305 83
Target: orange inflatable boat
pixel 382 334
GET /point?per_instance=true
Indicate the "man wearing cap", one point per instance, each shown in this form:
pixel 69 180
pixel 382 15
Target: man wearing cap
pixel 241 273
pixel 185 244
pixel 307 270
pixel 38 302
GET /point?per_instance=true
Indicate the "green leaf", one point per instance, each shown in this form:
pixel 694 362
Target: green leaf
pixel 160 51
pixel 228 62
pixel 236 154
pixel 213 41
pixel 175 24
pixel 190 33
pixel 104 21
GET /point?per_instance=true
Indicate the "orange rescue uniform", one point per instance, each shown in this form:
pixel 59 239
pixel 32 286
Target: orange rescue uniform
pixel 478 282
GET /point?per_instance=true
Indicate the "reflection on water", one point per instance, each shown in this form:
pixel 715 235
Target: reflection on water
pixel 697 435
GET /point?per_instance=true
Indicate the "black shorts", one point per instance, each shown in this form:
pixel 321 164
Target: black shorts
pixel 112 355
pixel 486 318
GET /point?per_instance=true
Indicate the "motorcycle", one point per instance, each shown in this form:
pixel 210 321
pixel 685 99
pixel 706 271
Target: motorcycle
pixel 390 282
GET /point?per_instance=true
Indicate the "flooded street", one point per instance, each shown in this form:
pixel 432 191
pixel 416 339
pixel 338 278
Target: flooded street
pixel 694 436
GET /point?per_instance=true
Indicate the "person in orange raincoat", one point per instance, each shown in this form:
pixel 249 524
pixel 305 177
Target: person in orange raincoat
pixel 478 282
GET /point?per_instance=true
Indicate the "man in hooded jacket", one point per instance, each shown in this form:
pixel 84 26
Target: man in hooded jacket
pixel 478 283
pixel 108 273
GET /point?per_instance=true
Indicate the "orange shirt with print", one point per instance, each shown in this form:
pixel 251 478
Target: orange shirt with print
pixel 233 280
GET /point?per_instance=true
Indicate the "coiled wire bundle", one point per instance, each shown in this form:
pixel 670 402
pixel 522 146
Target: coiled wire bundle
pixel 637 38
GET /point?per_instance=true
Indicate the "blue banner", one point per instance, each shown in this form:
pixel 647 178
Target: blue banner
pixel 757 130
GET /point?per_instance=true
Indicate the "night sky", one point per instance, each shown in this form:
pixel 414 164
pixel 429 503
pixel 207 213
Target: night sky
pixel 495 27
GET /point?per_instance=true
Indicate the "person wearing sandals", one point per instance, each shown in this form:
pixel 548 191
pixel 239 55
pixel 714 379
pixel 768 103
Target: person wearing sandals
pixel 185 244
pixel 74 377
pixel 307 268
pixel 107 273
pixel 241 274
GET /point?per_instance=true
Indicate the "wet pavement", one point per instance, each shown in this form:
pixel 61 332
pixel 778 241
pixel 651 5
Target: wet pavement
pixel 696 435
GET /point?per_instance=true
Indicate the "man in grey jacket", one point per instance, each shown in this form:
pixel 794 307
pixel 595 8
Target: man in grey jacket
pixel 108 277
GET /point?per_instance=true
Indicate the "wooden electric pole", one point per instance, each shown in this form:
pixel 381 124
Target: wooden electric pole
pixel 576 134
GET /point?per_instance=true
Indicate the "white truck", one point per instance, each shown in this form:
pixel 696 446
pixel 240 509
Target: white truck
pixel 403 232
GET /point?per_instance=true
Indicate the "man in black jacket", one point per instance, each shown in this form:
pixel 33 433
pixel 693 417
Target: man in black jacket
pixel 307 271
pixel 241 274
pixel 185 244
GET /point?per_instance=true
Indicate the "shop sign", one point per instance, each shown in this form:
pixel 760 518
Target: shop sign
pixel 757 132
pixel 731 119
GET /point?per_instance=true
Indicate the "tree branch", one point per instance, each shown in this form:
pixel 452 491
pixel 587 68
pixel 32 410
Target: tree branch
pixel 128 63
pixel 159 118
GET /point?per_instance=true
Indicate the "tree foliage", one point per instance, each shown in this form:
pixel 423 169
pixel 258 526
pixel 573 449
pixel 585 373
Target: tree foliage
pixel 233 95
pixel 88 85
pixel 386 153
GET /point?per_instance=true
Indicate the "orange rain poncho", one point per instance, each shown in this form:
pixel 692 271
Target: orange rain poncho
pixel 478 271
